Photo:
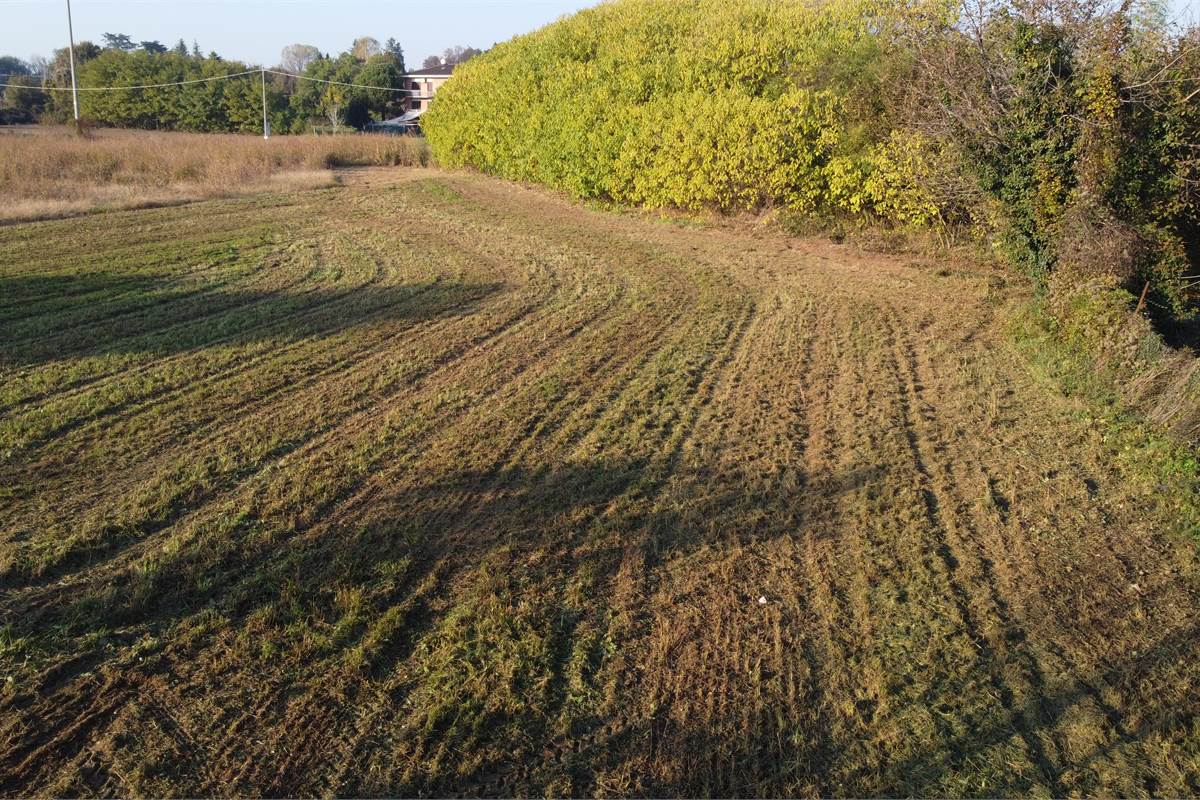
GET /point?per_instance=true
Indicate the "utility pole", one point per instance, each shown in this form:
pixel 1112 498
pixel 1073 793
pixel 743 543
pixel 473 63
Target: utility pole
pixel 74 88
pixel 266 124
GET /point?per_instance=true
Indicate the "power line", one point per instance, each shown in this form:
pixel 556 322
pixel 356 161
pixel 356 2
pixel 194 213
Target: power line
pixel 206 80
pixel 336 83
pixel 141 86
pixel 261 71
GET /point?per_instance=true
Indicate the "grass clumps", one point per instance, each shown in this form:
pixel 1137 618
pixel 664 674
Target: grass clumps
pixel 1132 386
pixel 1125 352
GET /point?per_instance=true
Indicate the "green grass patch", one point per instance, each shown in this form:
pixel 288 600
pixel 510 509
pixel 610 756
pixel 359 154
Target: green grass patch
pixel 1061 355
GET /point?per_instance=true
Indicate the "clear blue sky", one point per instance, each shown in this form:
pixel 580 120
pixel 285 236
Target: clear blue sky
pixel 257 30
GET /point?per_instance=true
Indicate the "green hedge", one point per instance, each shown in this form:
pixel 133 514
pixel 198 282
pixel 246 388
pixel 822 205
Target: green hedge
pixel 729 104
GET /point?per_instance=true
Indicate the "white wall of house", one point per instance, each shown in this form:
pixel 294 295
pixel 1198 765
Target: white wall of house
pixel 422 88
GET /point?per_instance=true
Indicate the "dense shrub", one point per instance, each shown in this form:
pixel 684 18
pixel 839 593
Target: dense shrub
pixel 1080 119
pixel 709 103
pixel 1041 123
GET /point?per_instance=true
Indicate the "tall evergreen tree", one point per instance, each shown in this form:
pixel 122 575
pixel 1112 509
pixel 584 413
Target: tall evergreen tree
pixel 393 49
pixel 118 41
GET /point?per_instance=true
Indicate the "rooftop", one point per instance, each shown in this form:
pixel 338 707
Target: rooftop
pixel 403 120
pixel 436 72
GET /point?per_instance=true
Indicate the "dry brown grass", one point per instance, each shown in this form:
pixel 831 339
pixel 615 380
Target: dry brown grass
pixel 52 172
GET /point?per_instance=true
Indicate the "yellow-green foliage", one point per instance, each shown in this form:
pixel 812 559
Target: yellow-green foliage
pixel 728 150
pixel 897 179
pixel 730 104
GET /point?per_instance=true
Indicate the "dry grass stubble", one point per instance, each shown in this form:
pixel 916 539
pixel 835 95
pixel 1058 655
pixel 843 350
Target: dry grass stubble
pixel 432 484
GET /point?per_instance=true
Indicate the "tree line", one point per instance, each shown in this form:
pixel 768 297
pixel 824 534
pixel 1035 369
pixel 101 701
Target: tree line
pixel 231 105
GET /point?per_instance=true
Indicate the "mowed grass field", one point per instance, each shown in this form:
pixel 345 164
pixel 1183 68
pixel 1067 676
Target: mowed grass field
pixel 433 484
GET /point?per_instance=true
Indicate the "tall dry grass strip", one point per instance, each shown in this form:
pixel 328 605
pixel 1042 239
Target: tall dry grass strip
pixel 54 172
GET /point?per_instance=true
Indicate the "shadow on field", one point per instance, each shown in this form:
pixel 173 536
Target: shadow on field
pixel 46 319
pixel 500 551
pixel 507 612
pixel 1183 332
pixel 1150 683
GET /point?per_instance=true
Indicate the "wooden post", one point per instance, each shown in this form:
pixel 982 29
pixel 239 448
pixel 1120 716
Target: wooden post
pixel 1142 301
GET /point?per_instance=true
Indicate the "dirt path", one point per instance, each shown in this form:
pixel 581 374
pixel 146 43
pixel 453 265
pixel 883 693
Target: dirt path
pixel 434 484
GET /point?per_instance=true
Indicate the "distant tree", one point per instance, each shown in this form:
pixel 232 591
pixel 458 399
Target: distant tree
pixel 231 105
pixel 240 106
pixel 212 56
pixel 180 49
pixel 58 69
pixel 358 112
pixel 38 65
pixel 306 96
pixel 431 62
pixel 84 51
pixel 340 104
pixel 393 49
pixel 381 71
pixel 459 55
pixel 364 47
pixel 153 47
pixel 333 105
pixel 314 101
pixel 11 65
pixel 22 100
pixel 196 50
pixel 118 41
pixel 58 73
pixel 296 57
